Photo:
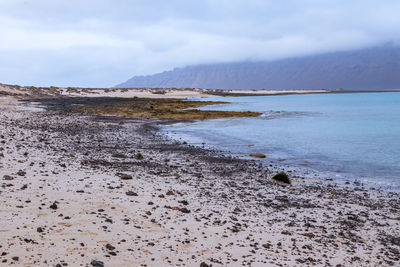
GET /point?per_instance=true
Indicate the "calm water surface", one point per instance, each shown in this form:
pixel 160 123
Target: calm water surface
pixel 346 136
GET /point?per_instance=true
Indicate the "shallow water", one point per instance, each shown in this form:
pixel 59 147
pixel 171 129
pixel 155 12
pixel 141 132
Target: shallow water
pixel 348 136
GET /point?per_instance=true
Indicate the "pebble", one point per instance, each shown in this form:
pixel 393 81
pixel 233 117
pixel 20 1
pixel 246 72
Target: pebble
pixel 97 263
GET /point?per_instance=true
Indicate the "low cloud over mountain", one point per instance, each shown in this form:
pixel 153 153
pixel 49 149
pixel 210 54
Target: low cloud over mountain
pixel 372 68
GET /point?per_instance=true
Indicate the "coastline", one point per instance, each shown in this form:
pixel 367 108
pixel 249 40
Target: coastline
pixel 309 126
pixel 304 168
pixel 125 194
pixel 164 93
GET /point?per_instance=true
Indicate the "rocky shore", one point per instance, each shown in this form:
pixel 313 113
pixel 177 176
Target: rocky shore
pixel 95 190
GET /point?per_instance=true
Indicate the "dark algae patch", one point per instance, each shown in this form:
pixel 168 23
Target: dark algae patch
pixel 162 108
pixel 257 155
pixel 143 107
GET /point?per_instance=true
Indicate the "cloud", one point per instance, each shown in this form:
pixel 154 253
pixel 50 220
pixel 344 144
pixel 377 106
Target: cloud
pixel 102 43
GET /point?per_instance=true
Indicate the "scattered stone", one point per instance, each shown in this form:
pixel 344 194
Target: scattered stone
pixel 125 176
pixel 110 247
pixel 21 173
pixel 131 193
pixel 395 241
pixel 54 206
pixel 8 177
pixel 184 210
pixel 282 177
pixel 97 263
pixel 119 155
pixel 139 156
pixel 184 202
pixel 171 208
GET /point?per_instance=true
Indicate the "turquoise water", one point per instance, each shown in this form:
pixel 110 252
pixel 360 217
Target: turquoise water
pixel 345 136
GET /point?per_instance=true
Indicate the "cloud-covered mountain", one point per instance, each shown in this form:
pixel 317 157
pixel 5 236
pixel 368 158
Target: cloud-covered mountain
pixel 372 68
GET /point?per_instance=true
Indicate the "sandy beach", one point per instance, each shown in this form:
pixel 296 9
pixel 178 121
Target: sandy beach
pixel 17 90
pixel 92 190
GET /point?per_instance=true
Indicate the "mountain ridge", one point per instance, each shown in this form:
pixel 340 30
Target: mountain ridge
pixel 364 69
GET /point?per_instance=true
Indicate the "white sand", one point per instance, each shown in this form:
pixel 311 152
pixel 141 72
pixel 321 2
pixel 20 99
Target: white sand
pixel 315 231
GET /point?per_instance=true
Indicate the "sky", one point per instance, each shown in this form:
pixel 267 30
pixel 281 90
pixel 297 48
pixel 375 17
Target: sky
pixel 101 43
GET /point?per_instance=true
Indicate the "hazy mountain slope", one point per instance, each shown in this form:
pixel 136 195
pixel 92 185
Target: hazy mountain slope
pixel 373 68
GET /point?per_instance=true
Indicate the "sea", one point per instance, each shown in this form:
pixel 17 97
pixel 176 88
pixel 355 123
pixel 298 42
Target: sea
pixel 343 137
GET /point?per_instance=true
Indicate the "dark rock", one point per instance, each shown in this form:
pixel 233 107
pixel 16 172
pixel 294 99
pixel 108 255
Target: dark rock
pixel 184 202
pixel 396 241
pixel 97 263
pixel 124 176
pixel 8 177
pixel 21 173
pixel 267 246
pixel 110 247
pixel 131 193
pixel 139 156
pixel 119 155
pixel 54 206
pixel 184 210
pixel 282 177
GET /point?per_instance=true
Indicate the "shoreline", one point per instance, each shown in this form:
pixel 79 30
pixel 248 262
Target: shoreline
pixel 124 194
pixel 307 172
pixel 164 93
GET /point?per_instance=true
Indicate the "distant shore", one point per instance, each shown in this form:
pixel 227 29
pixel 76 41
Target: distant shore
pixel 32 91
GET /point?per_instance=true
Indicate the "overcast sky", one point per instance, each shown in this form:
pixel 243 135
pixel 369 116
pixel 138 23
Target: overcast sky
pixel 100 43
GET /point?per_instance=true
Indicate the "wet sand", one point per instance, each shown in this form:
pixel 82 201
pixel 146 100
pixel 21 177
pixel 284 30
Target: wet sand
pixel 91 190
